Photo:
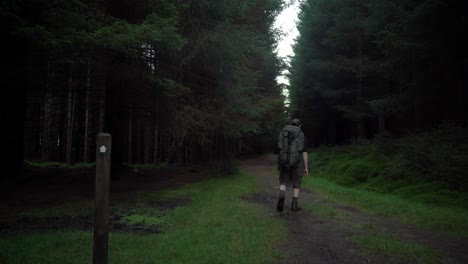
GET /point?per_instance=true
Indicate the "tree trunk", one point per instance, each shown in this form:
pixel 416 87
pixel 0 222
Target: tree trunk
pixel 155 148
pixel 147 141
pixel 70 114
pixel 46 119
pixel 187 152
pixel 15 72
pixel 33 143
pixel 102 87
pixel 157 118
pixel 381 120
pixel 360 121
pixel 332 130
pixel 130 121
pixel 86 147
pixel 138 147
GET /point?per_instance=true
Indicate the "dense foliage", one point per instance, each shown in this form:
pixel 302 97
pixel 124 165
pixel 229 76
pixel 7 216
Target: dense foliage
pixel 415 166
pixel 170 80
pixel 377 66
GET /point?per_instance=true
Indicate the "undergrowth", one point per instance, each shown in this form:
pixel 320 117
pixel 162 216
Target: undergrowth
pixel 388 245
pixel 430 168
pixel 56 164
pixel 419 179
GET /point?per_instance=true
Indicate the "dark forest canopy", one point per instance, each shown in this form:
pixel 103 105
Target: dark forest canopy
pixel 187 81
pixel 171 80
pixel 377 66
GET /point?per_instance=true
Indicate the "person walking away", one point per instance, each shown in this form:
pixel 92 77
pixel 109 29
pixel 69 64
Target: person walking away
pixel 292 162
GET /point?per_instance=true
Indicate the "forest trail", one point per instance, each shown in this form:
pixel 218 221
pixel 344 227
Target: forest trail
pixel 315 239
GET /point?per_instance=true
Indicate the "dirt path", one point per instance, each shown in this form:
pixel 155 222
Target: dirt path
pixel 315 239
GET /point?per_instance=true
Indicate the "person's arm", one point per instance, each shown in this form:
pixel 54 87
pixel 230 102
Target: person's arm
pixel 305 157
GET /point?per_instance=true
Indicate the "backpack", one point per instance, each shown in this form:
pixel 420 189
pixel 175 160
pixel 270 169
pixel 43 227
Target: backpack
pixel 291 144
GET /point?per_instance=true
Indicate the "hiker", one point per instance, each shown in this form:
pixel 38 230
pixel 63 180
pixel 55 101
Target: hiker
pixel 292 162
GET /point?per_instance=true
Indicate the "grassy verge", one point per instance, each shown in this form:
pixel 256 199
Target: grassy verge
pixel 419 179
pixel 147 165
pixel 217 226
pixel 387 245
pixel 451 220
pixel 55 164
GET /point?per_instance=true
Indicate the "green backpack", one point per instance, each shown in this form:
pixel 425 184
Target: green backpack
pixel 291 144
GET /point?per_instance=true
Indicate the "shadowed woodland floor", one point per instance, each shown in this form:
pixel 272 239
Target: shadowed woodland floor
pixel 312 238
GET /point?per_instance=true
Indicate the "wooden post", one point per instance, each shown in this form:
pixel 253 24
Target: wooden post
pixel 101 222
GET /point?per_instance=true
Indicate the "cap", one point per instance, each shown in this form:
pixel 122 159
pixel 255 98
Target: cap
pixel 296 122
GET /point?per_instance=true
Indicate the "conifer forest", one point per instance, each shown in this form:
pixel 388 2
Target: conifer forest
pixel 195 93
pixel 196 80
pixel 171 80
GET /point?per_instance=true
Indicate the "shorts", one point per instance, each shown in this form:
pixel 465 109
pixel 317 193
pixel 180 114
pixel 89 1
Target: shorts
pixel 290 176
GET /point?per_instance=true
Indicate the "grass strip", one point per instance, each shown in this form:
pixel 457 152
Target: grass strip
pixel 387 245
pixel 217 226
pixel 449 220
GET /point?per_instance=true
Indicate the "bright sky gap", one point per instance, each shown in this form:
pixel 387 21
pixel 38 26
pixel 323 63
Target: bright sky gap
pixel 286 23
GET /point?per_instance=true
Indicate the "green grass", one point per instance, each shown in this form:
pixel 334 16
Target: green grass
pixel 450 220
pixel 55 164
pixel 388 245
pixel 369 167
pixel 349 169
pixel 143 219
pixel 148 165
pixel 217 226
pixel 50 247
pixel 378 178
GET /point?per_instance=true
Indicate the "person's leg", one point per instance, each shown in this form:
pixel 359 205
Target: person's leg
pixel 282 196
pixel 282 192
pixel 294 205
pixel 296 192
pixel 297 179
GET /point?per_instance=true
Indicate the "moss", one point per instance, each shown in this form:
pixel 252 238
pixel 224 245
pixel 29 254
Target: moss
pixel 56 164
pixel 46 164
pixel 140 219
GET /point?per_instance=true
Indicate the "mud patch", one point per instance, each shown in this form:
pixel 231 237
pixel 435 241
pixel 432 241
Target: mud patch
pixel 82 222
pixel 86 222
pixel 170 204
pixel 259 198
pixel 55 187
pixel 139 228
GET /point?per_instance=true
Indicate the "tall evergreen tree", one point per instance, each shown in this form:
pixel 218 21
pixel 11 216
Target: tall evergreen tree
pixel 371 66
pixel 190 78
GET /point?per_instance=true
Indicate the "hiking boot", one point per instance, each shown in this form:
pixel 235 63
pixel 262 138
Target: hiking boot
pixel 294 206
pixel 280 205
